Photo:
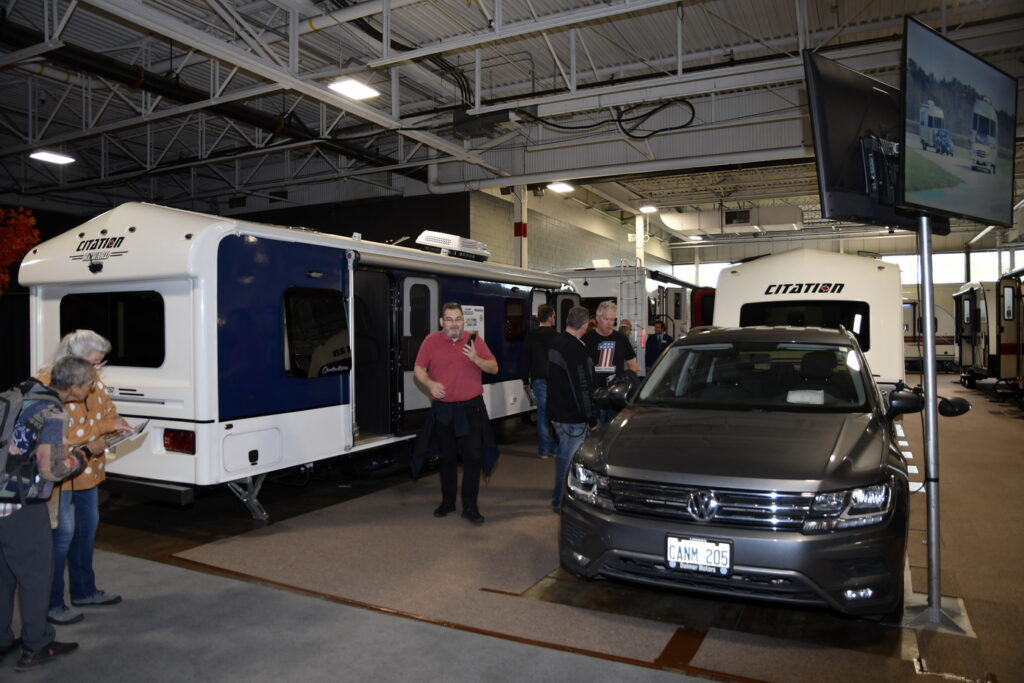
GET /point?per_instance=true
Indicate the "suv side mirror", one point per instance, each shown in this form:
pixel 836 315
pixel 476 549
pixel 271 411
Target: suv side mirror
pixel 902 402
pixel 953 407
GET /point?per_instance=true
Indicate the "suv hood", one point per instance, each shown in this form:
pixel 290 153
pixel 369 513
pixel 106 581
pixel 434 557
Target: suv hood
pixel 786 451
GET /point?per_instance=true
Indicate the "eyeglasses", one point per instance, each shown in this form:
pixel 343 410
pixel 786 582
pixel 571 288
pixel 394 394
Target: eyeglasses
pixel 452 320
pixel 99 364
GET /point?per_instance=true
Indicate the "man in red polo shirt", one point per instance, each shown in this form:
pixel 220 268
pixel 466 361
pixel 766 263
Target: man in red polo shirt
pixel 449 366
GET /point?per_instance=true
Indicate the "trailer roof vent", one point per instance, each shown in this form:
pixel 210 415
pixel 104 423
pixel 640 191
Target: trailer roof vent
pixel 453 245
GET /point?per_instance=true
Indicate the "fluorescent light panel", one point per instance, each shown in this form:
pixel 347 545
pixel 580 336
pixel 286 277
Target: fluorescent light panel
pixel 648 208
pixel 981 234
pixel 561 187
pixel 349 87
pixel 52 157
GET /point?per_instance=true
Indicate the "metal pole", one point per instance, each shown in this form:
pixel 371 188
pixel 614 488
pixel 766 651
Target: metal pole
pixel 931 434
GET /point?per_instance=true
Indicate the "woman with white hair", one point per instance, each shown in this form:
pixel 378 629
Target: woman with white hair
pixel 75 506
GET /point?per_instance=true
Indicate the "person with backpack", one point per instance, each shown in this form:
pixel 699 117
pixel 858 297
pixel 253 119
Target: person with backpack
pixel 35 458
pixel 74 506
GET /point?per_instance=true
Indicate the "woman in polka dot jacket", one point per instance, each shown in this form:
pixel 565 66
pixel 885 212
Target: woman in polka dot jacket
pixel 74 507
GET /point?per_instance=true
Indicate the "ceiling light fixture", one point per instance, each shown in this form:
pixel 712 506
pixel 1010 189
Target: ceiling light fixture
pixel 695 238
pixel 353 89
pixel 648 208
pixel 52 157
pixel 561 188
pixel 981 234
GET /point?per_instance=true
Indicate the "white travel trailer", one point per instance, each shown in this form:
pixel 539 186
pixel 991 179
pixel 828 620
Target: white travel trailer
pixel 930 120
pixel 253 348
pixel 984 136
pixel 913 330
pixel 811 288
pixel 643 296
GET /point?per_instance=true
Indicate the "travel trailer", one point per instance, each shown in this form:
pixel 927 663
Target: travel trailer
pixel 643 296
pixel 984 136
pixel 253 348
pixel 930 120
pixel 913 328
pixel 811 288
pixel 988 330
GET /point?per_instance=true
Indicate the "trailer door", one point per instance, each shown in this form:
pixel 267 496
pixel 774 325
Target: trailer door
pixel 376 387
pixel 420 312
pixel 1008 328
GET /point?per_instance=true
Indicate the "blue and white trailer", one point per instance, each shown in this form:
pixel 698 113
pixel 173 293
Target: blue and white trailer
pixel 254 348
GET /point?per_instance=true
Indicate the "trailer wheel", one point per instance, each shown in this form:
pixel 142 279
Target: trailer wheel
pixel 972 381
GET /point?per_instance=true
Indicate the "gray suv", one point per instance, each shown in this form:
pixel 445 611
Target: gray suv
pixel 753 462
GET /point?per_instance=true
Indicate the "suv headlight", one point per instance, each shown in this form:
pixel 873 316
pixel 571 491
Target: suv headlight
pixel 587 486
pixel 858 507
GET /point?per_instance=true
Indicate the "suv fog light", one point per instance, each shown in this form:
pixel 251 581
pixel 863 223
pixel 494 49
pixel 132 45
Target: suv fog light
pixel 859 593
pixel 582 560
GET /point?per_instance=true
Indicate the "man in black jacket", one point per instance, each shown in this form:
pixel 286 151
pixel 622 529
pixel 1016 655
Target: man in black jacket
pixel 570 394
pixel 535 374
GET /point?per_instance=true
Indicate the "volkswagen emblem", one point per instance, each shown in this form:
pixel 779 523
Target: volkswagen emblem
pixel 703 505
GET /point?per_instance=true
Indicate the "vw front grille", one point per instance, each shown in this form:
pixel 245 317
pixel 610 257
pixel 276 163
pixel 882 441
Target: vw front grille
pixel 755 509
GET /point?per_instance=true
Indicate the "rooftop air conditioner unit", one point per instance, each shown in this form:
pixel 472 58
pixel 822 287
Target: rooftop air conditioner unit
pixel 453 245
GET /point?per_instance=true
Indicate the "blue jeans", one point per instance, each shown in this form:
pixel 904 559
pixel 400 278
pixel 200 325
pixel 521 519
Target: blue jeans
pixel 545 442
pixel 73 542
pixel 570 438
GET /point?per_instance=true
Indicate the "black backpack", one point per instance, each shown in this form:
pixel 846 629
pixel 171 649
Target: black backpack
pixel 20 480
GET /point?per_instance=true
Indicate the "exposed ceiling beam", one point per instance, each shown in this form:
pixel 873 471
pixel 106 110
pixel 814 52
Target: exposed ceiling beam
pixel 135 12
pixel 503 32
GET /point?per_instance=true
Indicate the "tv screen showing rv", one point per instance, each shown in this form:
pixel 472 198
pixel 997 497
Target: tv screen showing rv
pixel 960 117
pixel 856 123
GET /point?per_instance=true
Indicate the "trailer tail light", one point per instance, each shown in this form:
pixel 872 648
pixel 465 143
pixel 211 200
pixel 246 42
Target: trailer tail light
pixel 180 441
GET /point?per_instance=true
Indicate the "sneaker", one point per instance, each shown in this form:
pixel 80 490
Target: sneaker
pixel 98 598
pixel 64 615
pixel 443 509
pixel 30 660
pixel 545 456
pixel 473 515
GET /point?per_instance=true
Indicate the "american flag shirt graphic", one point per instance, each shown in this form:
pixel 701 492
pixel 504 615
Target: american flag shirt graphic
pixel 605 356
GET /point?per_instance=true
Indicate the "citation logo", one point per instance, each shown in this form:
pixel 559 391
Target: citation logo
pixel 104 243
pixel 99 249
pixel 806 288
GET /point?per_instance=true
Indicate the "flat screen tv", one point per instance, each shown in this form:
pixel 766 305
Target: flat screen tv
pixel 856 122
pixel 960 118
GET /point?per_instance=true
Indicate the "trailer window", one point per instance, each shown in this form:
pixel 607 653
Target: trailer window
pixel 132 321
pixel 316 333
pixel 421 322
pixel 852 315
pixel 1007 303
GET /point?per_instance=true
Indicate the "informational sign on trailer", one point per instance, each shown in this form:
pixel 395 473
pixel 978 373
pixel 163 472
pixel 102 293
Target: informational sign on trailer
pixel 473 316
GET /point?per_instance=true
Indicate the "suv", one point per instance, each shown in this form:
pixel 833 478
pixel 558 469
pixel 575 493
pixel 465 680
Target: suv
pixel 753 462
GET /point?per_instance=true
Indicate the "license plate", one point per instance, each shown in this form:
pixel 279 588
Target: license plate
pixel 699 555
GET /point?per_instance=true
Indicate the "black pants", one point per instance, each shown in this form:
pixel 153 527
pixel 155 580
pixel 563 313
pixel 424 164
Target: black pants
pixel 451 448
pixel 26 564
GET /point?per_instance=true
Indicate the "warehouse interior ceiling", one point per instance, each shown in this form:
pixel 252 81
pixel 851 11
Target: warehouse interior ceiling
pixel 223 106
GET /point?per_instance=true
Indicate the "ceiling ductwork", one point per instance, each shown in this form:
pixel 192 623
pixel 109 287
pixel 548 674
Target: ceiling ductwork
pixel 735 221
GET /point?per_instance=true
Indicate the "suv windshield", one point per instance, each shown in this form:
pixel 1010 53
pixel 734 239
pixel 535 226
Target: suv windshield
pixel 759 375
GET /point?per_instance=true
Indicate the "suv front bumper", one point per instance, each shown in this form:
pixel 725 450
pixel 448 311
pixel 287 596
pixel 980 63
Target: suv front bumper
pixel 781 566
